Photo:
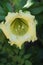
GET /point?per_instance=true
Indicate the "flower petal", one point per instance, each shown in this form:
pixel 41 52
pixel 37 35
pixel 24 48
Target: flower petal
pixel 27 19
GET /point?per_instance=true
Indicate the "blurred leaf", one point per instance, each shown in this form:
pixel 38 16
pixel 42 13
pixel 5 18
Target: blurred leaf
pixel 3 60
pixel 22 52
pixel 27 56
pixel 2 37
pixel 36 8
pixel 5 7
pixel 28 62
pixel 2 13
pixel 40 54
pixel 2 17
pixel 9 7
pixel 1 63
pixel 35 1
pixel 22 61
pixel 12 55
pixel 18 4
pixel 1 10
pixel 40 32
pixel 39 18
pixel 17 58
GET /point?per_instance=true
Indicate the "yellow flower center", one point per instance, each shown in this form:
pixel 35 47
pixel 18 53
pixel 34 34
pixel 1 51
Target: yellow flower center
pixel 19 26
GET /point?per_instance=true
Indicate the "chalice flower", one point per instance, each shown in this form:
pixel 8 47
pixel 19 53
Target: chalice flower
pixel 19 27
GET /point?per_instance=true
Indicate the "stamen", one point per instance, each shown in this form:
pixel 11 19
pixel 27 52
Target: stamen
pixel 19 26
pixel 16 30
pixel 22 27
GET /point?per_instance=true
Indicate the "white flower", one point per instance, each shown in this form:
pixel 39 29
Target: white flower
pixel 28 4
pixel 19 27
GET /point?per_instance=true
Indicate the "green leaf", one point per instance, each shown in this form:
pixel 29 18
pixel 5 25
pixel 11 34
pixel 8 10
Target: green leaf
pixel 2 17
pixel 8 64
pixel 1 10
pixel 39 18
pixel 3 60
pixel 40 32
pixel 2 37
pixel 18 4
pixel 27 56
pixel 35 1
pixel 28 62
pixel 9 7
pixel 36 8
pixel 40 54
pixel 5 7
pixel 1 63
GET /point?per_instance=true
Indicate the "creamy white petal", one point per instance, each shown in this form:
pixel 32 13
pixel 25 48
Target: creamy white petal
pixel 30 35
pixel 28 4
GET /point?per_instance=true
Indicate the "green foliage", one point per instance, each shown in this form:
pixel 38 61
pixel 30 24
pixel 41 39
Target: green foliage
pixel 12 55
pixel 2 37
pixel 18 4
pixel 30 53
pixel 27 62
pixel 37 10
pixel 5 7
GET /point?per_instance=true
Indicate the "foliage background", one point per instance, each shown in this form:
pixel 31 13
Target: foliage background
pixel 31 53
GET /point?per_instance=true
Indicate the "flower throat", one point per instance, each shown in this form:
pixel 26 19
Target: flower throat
pixel 19 26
